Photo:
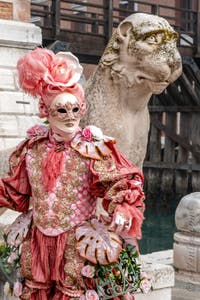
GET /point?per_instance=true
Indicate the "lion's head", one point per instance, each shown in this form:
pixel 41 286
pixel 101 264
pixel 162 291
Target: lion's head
pixel 143 51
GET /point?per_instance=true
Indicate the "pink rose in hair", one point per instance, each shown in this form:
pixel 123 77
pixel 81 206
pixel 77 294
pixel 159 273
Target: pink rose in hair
pixel 32 68
pixel 65 71
pixel 42 71
pixel 17 289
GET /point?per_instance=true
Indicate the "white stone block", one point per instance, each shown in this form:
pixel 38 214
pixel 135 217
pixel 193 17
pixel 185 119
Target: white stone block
pixel 187 286
pixel 187 252
pixel 7 146
pixel 10 55
pixel 11 143
pixel 14 33
pixel 187 216
pixel 162 294
pixel 189 277
pixel 8 126
pixel 10 102
pixel 24 123
pixel 158 266
pixel 32 108
pixel 17 103
pixel 7 80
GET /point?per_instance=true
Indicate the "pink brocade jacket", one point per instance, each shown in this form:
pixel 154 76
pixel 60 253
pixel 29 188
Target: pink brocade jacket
pixel 90 168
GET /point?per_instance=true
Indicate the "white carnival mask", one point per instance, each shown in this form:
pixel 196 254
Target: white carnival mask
pixel 64 114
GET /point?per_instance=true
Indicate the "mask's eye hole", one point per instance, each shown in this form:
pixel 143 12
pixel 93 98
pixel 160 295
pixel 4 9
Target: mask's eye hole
pixel 61 110
pixel 75 109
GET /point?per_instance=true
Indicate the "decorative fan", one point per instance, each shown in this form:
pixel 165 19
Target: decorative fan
pixel 19 228
pixel 97 243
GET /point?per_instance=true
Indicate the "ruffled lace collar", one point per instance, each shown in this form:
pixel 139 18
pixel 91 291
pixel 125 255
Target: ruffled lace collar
pixel 90 142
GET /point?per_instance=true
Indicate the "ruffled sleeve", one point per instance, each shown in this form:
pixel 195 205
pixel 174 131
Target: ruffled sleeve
pixel 119 184
pixel 15 190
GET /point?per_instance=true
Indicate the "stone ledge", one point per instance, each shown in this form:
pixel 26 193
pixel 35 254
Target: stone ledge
pixel 185 288
pixel 158 265
pixel 14 33
pixel 188 278
pixel 161 294
pixel 17 103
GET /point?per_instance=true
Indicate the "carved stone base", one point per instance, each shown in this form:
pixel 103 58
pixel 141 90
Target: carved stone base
pixel 187 252
pixel 158 265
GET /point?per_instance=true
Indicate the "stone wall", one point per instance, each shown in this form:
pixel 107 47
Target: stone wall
pixel 17 110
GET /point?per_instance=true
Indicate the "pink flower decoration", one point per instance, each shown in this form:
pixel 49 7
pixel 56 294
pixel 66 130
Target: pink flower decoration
pixel 65 70
pixel 88 271
pixel 87 134
pixel 31 69
pixel 91 295
pixel 7 289
pixel 13 256
pixel 145 286
pixel 17 289
pixel 128 296
pixel 41 71
pixel 37 130
pixel 143 275
pixel 82 297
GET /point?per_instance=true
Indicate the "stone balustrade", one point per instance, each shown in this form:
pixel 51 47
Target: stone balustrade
pixel 187 246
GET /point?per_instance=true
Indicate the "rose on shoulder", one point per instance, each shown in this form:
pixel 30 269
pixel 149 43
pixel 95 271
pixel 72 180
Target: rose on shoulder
pixel 37 130
pixel 92 132
pixel 87 134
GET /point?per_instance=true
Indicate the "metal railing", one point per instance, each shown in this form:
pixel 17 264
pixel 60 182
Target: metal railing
pixel 60 17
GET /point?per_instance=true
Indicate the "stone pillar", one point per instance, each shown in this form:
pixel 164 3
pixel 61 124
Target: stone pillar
pixel 17 110
pixel 187 245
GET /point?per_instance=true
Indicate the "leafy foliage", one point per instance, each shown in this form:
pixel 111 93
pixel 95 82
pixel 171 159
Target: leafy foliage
pixel 9 261
pixel 119 278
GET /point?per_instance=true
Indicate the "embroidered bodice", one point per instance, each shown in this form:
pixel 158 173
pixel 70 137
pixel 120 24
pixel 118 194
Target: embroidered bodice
pixel 70 202
pixel 90 168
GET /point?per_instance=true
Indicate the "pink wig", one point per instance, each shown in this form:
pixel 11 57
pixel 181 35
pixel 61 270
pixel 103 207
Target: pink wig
pixel 44 74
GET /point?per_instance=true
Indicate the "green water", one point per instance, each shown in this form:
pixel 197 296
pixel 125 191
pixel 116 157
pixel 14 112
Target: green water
pixel 158 227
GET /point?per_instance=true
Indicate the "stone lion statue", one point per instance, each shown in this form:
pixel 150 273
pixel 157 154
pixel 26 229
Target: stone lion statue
pixel 140 59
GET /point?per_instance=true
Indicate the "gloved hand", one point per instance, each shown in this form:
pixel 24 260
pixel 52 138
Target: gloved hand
pixel 121 222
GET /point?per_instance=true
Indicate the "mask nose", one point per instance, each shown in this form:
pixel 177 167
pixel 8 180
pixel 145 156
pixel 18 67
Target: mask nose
pixel 69 114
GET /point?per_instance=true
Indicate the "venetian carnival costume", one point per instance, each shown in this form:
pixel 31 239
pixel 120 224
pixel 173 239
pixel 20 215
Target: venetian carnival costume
pixel 65 171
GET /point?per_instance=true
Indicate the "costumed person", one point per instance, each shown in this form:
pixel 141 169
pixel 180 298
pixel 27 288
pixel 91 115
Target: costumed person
pixel 87 199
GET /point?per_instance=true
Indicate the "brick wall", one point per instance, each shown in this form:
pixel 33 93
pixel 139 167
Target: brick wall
pixel 17 10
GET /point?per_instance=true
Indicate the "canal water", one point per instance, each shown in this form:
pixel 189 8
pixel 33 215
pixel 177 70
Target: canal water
pixel 159 225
